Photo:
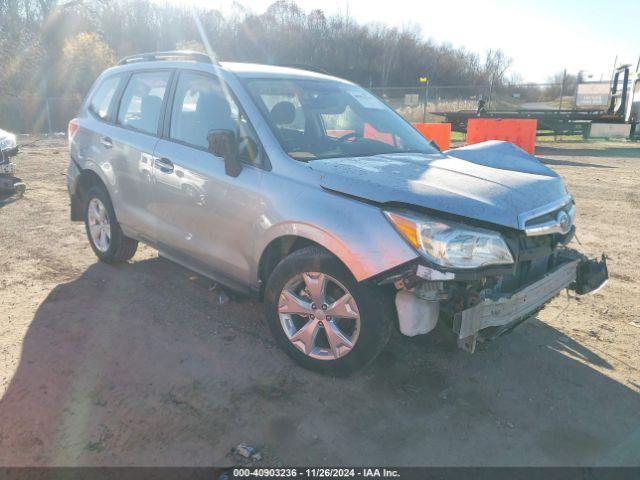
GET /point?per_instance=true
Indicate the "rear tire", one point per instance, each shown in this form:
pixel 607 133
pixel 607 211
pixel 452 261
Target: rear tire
pixel 371 305
pixel 103 230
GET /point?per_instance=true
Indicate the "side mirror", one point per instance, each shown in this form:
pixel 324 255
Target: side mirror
pixel 223 143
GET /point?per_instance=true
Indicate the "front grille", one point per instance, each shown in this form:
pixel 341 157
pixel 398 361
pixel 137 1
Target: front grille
pixel 559 220
pixel 535 257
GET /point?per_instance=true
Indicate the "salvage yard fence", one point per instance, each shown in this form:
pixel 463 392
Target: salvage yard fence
pixel 37 114
pixel 422 104
pixel 40 114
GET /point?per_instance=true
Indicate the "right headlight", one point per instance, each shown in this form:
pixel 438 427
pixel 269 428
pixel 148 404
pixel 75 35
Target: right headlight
pixel 452 244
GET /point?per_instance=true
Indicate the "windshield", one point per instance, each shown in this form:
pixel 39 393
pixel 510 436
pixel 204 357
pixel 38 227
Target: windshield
pixel 315 119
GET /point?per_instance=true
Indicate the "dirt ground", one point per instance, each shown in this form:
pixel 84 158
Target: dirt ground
pixel 140 365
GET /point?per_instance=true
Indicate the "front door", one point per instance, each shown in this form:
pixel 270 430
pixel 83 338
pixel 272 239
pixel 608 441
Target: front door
pixel 206 217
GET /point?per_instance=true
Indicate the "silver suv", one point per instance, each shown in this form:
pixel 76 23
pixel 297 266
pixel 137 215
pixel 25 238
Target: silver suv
pixel 308 192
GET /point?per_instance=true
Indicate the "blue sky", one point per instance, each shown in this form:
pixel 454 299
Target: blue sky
pixel 542 36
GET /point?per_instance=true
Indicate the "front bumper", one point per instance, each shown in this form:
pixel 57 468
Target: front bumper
pixel 509 310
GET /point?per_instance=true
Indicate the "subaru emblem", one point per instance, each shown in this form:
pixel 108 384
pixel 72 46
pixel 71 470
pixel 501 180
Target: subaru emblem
pixel 564 221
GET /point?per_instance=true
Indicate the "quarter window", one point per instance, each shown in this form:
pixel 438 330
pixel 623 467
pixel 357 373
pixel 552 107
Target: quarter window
pixel 101 99
pixel 141 103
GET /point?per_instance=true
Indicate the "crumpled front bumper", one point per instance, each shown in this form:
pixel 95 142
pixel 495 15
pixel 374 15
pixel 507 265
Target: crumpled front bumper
pixel 508 311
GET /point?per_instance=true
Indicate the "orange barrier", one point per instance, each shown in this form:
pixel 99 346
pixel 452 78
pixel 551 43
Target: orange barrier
pixel 519 132
pixel 338 133
pixel 371 133
pixel 438 132
pixel 367 132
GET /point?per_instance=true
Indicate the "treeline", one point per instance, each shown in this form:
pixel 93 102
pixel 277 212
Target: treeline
pixel 58 47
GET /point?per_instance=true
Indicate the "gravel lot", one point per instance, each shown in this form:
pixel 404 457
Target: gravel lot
pixel 140 365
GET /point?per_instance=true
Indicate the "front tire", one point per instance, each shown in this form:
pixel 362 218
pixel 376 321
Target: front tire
pixel 103 230
pixel 322 317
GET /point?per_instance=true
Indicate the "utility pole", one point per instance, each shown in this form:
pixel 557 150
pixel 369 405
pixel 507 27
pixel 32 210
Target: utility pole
pixel 564 78
pixel 424 108
pixel 423 80
pixel 46 94
pixel 490 91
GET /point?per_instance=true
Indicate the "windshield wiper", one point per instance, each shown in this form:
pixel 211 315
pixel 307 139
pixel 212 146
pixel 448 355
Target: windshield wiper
pixel 424 152
pixel 367 154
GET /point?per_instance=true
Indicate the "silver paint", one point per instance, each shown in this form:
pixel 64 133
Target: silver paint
pixel 468 181
pixel 212 222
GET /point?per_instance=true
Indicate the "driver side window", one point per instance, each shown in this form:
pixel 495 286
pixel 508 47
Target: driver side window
pixel 202 104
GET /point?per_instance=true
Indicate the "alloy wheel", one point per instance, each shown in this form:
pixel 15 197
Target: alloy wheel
pixel 99 225
pixel 319 315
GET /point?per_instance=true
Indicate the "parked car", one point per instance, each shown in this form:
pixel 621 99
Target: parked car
pixel 9 183
pixel 308 192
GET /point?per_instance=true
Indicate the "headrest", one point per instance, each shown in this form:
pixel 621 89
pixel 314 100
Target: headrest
pixel 283 113
pixel 214 104
pixel 150 105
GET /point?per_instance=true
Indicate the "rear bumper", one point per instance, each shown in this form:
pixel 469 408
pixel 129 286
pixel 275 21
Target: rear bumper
pixel 73 173
pixel 508 311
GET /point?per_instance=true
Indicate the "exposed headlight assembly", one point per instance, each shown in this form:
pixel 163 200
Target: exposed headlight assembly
pixel 7 141
pixel 451 244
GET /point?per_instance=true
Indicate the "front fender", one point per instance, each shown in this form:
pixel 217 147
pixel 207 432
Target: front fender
pixel 357 233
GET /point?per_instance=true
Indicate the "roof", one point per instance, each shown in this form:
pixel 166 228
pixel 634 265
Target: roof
pixel 257 70
pixel 190 59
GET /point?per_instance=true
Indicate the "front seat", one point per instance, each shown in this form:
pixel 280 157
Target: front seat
pixel 283 113
pixel 212 113
pixel 149 114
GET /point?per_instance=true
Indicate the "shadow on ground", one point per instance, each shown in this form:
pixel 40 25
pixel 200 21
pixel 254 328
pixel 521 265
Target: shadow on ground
pixel 6 199
pixel 569 163
pixel 609 152
pixel 139 364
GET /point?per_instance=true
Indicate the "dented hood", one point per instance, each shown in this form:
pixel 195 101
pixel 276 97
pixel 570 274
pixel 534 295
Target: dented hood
pixel 491 181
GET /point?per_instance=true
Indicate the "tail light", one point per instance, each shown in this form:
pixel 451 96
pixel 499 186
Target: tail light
pixel 72 129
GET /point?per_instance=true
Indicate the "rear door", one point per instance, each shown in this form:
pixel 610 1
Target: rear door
pixel 132 142
pixel 88 145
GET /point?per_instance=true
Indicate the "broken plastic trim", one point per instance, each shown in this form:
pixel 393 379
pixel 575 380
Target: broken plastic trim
pixel 507 312
pixel 591 276
pixel 513 307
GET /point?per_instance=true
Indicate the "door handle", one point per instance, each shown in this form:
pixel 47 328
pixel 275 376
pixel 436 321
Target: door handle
pixel 106 142
pixel 164 165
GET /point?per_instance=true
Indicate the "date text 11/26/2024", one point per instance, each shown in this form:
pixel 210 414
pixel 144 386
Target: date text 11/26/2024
pixel 315 473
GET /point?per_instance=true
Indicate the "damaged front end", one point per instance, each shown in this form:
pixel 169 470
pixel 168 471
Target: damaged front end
pixel 484 303
pixel 497 313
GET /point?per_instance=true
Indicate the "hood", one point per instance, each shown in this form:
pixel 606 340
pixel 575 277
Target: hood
pixel 492 181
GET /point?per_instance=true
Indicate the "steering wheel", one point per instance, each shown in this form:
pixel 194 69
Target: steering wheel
pixel 349 135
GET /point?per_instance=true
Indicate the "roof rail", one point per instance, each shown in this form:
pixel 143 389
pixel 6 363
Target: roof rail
pixel 170 55
pixel 302 66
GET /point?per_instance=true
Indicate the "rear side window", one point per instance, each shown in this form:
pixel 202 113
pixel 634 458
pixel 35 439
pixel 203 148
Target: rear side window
pixel 141 102
pixel 101 99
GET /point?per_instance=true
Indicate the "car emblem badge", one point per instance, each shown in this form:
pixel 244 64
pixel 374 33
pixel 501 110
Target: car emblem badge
pixel 564 220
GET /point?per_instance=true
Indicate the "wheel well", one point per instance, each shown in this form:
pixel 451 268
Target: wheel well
pixel 86 180
pixel 276 251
